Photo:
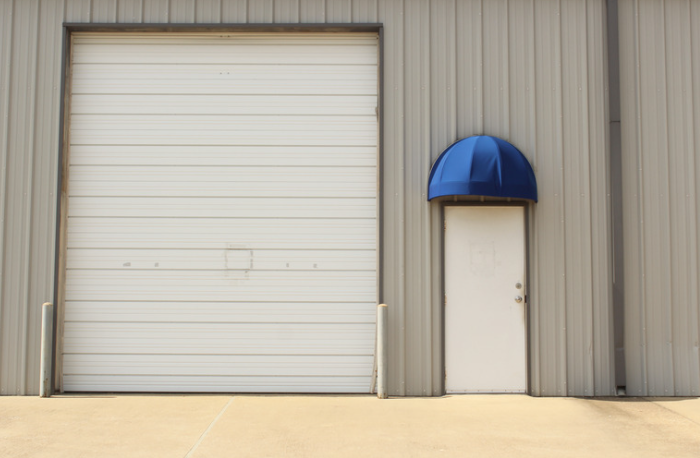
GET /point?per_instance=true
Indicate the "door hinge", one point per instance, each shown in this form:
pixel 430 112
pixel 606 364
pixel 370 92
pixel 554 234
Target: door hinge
pixel 445 300
pixel 444 226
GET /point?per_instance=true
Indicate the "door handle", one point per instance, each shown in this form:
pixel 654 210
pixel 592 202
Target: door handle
pixel 518 299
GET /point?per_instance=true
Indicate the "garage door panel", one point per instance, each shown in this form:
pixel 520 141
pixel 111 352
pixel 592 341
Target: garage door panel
pixel 213 188
pixel 224 104
pixel 293 157
pixel 222 207
pixel 223 259
pixel 223 55
pixel 222 213
pixel 226 126
pixel 351 50
pixel 225 80
pixel 253 285
pixel 329 131
pixel 218 338
pixel 223 233
pixel 233 54
pixel 213 384
pixel 242 38
pixel 210 181
pixel 221 312
pixel 97 176
pixel 187 136
pixel 222 365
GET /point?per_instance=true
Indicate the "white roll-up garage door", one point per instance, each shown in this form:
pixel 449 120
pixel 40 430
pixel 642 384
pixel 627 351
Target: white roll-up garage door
pixel 222 213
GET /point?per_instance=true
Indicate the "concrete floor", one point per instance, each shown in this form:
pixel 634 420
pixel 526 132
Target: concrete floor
pixel 347 426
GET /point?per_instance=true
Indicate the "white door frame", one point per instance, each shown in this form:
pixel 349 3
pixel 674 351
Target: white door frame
pixel 527 298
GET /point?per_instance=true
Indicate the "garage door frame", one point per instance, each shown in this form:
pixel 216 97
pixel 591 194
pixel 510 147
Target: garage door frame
pixel 63 146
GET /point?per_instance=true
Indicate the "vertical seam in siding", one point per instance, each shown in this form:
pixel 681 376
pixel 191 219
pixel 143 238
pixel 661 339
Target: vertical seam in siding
pixel 28 186
pixel 536 348
pixel 615 211
pixel 605 316
pixel 400 187
pixel 693 92
pixel 481 68
pixel 453 136
pixel 611 193
pixel 599 370
pixel 562 360
pixel 688 208
pixel 640 207
pixel 406 211
pixel 668 325
pixel 426 350
pixel 590 388
pixel 600 325
pixel 4 308
pixel 592 344
pixel 506 63
pixel 453 77
pixel 457 53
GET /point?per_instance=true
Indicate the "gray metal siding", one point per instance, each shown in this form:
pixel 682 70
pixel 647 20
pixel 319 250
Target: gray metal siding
pixel 570 282
pixel 660 101
pixel 30 57
pixel 530 71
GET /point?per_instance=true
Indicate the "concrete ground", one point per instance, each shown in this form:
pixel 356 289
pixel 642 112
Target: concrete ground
pixel 347 426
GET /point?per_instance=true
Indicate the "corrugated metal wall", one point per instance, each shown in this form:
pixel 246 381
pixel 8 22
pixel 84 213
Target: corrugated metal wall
pixel 530 71
pixel 30 61
pixel 660 101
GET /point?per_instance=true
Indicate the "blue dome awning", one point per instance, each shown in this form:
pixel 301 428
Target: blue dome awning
pixel 482 166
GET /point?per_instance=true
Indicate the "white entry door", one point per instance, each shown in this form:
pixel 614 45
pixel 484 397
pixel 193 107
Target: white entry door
pixel 485 311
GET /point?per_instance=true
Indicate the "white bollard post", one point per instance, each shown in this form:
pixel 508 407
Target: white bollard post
pixel 382 351
pixel 46 349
